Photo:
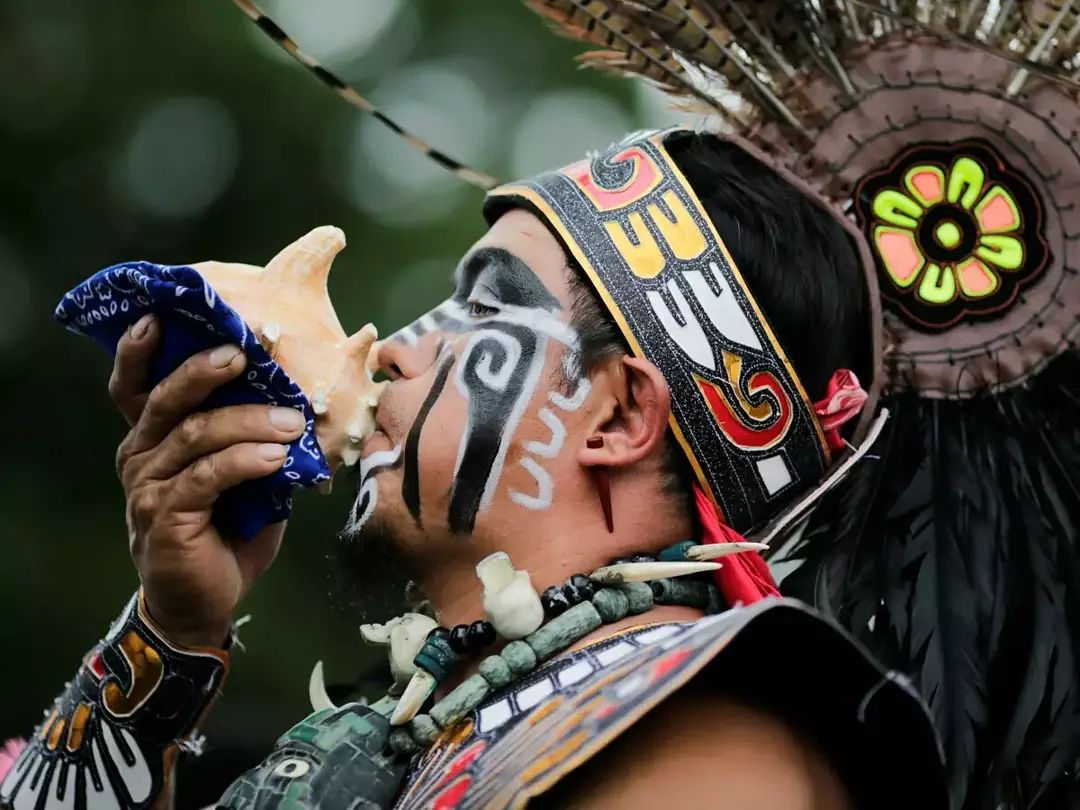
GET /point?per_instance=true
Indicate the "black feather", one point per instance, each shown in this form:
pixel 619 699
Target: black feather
pixel 961 544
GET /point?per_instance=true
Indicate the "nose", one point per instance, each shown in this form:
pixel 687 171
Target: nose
pixel 400 359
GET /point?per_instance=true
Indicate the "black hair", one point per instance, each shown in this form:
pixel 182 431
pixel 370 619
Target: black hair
pixel 798 261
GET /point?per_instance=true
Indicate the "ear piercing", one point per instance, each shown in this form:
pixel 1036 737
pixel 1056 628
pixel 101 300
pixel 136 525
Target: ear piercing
pixel 601 482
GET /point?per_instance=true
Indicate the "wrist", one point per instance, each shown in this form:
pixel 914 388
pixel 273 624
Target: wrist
pixel 187 632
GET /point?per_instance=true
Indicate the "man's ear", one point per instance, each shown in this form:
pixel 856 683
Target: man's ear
pixel 633 417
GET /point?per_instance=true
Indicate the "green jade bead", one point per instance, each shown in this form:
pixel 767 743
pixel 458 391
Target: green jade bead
pixel 385 705
pixel 611 604
pixel 676 552
pixel 436 658
pixel 423 730
pixel 564 630
pixel 520 657
pixel 639 597
pixel 462 700
pixel 496 671
pixel 680 592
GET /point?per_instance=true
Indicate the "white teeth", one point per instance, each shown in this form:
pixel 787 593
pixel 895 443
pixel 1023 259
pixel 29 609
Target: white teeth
pixel 715 550
pixel 420 687
pixel 317 690
pixel 645 571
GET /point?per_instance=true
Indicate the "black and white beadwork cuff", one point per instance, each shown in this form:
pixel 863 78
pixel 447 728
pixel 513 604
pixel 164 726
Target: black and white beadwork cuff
pixel 110 738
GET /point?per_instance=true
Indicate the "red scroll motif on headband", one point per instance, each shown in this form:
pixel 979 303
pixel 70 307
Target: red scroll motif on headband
pixel 753 418
pixel 750 425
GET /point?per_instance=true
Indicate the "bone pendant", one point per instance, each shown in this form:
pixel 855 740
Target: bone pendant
pixel 420 687
pixel 288 306
pixel 510 601
pixel 712 551
pixel 317 690
pixel 621 573
pixel 404 636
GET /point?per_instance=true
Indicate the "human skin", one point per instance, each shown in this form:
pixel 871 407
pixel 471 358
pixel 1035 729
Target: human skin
pixel 176 460
pixel 475 394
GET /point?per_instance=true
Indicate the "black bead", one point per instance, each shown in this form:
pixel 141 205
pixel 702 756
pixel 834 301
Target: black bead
pixel 579 588
pixel 481 635
pixel 440 631
pixel 554 601
pixel 459 639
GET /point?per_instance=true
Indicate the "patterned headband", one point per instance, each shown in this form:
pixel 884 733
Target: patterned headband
pixel 639 232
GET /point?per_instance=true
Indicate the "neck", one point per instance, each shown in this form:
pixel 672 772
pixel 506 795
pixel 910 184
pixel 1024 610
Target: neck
pixel 456 592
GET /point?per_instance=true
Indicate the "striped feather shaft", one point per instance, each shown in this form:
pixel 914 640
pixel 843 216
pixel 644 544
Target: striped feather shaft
pixel 756 21
pixel 1053 22
pixel 628 46
pixel 695 32
pixel 995 48
pixel 351 96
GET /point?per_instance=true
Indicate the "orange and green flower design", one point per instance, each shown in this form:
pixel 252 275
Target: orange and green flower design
pixel 956 233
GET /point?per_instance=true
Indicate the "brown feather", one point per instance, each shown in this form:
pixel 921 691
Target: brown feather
pixel 627 45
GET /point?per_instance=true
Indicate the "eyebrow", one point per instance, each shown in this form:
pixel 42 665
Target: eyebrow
pixel 511 279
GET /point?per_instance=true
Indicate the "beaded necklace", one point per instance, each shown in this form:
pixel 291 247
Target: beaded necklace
pixel 538 627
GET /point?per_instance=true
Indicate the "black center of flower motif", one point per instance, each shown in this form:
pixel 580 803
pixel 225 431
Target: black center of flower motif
pixel 956 233
pixel 937 249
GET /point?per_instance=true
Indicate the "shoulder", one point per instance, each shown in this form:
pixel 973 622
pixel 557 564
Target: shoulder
pixel 698 745
pixel 786 671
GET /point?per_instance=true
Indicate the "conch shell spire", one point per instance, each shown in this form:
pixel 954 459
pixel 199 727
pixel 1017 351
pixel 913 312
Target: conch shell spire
pixel 288 306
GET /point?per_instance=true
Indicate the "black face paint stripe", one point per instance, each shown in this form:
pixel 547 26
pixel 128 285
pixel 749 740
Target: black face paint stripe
pixel 509 278
pixel 489 410
pixel 410 484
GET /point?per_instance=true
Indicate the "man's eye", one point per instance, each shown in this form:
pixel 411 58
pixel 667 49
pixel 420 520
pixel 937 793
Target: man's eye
pixel 478 310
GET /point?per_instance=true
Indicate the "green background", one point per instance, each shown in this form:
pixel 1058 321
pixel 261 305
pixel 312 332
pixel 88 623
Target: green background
pixel 174 132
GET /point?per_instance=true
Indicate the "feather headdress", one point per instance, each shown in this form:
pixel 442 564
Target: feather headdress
pixel 947 130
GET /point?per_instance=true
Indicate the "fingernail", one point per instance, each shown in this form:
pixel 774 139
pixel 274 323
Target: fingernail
pixel 223 355
pixel 272 452
pixel 286 419
pixel 141 326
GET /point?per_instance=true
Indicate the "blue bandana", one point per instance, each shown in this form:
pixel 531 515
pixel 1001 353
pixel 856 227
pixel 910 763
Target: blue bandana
pixel 193 319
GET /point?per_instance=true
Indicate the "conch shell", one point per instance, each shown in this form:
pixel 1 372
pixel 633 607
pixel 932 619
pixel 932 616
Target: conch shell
pixel 288 306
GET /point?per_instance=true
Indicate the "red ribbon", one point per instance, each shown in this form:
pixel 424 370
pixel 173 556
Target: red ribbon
pixel 743 578
pixel 844 399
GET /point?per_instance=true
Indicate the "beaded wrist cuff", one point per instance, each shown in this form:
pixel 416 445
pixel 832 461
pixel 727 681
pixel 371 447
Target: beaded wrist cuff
pixel 110 739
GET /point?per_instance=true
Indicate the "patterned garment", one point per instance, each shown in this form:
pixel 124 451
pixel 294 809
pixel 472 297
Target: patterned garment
pixel 522 740
pixel 110 739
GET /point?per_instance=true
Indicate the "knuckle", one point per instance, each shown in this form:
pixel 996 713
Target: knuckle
pixel 123 456
pixel 192 429
pixel 156 398
pixel 204 472
pixel 145 504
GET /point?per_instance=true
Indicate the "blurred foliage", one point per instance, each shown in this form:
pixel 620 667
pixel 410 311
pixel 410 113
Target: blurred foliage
pixel 173 132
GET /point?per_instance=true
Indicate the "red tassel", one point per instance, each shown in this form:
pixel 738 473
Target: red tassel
pixel 743 578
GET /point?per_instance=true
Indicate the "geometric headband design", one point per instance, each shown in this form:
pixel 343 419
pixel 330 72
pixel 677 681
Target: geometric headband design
pixel 639 232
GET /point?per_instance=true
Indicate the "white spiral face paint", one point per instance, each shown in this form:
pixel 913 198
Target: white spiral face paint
pixel 367 493
pixel 500 368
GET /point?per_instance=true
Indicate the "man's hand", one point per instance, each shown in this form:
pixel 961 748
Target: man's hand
pixel 173 464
